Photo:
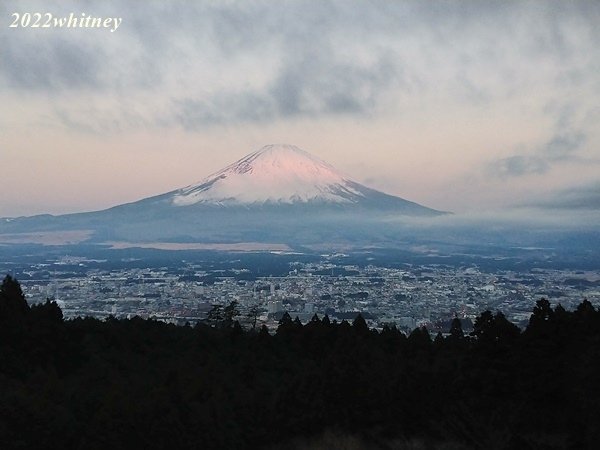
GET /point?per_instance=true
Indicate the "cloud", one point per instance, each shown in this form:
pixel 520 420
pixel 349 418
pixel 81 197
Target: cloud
pixel 584 197
pixel 508 223
pixel 50 65
pixel 561 147
pixel 233 62
pixel 519 165
pixel 306 88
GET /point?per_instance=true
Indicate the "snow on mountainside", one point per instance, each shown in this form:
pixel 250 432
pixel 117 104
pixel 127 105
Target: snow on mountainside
pixel 276 194
pixel 275 174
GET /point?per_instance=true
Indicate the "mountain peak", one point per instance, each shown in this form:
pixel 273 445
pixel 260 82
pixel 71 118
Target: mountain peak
pixel 276 173
pixel 282 157
pixel 280 148
pixel 285 151
pixel 282 174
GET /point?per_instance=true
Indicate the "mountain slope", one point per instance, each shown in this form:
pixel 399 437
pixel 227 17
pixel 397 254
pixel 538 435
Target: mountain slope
pixel 278 192
pixel 284 175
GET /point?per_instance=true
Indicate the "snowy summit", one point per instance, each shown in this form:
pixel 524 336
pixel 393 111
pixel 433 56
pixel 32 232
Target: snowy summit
pixel 275 174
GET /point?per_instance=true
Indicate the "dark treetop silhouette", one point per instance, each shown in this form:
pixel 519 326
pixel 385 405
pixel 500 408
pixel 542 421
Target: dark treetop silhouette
pixel 91 384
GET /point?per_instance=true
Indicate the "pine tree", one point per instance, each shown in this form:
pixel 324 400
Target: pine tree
pixel 12 300
pixel 490 328
pixel 456 331
pixel 359 324
pixel 285 324
pixel 253 315
pixel 215 316
pixel 230 312
pixel 48 311
pixel 541 317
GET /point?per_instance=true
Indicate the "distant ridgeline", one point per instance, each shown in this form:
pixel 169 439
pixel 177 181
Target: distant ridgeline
pixel 91 384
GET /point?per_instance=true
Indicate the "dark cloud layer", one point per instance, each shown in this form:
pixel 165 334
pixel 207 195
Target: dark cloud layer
pixel 586 197
pixel 561 147
pixel 304 88
pixel 40 65
pixel 322 58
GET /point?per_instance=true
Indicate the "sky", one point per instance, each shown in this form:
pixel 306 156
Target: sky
pixel 463 106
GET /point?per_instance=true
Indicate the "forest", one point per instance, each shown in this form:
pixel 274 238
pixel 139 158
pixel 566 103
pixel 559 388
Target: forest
pixel 122 384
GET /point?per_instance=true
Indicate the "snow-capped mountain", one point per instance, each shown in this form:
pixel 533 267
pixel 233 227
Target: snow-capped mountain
pixel 273 174
pixel 280 175
pixel 278 192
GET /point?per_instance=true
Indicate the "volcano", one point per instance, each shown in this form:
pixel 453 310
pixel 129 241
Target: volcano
pixel 274 174
pixel 277 192
pixel 284 175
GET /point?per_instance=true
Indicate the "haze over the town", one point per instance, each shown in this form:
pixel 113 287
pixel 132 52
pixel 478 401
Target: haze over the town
pixel 461 106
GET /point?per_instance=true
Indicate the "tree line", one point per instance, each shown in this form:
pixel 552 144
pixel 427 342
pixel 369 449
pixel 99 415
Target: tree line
pixel 95 384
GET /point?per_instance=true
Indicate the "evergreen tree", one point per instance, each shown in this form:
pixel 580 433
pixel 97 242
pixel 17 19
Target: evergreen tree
pixel 490 328
pixel 286 319
pixel 419 339
pixel 12 300
pixel 297 323
pixel 230 312
pixel 542 314
pixel 359 324
pixel 285 324
pixel 215 316
pixel 48 311
pixel 456 331
pixel 253 315
pixel 438 341
pixel 542 311
pixel 506 331
pixel 483 326
pixel 264 331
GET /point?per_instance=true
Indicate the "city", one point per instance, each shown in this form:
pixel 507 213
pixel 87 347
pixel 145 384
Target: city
pixel 408 297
